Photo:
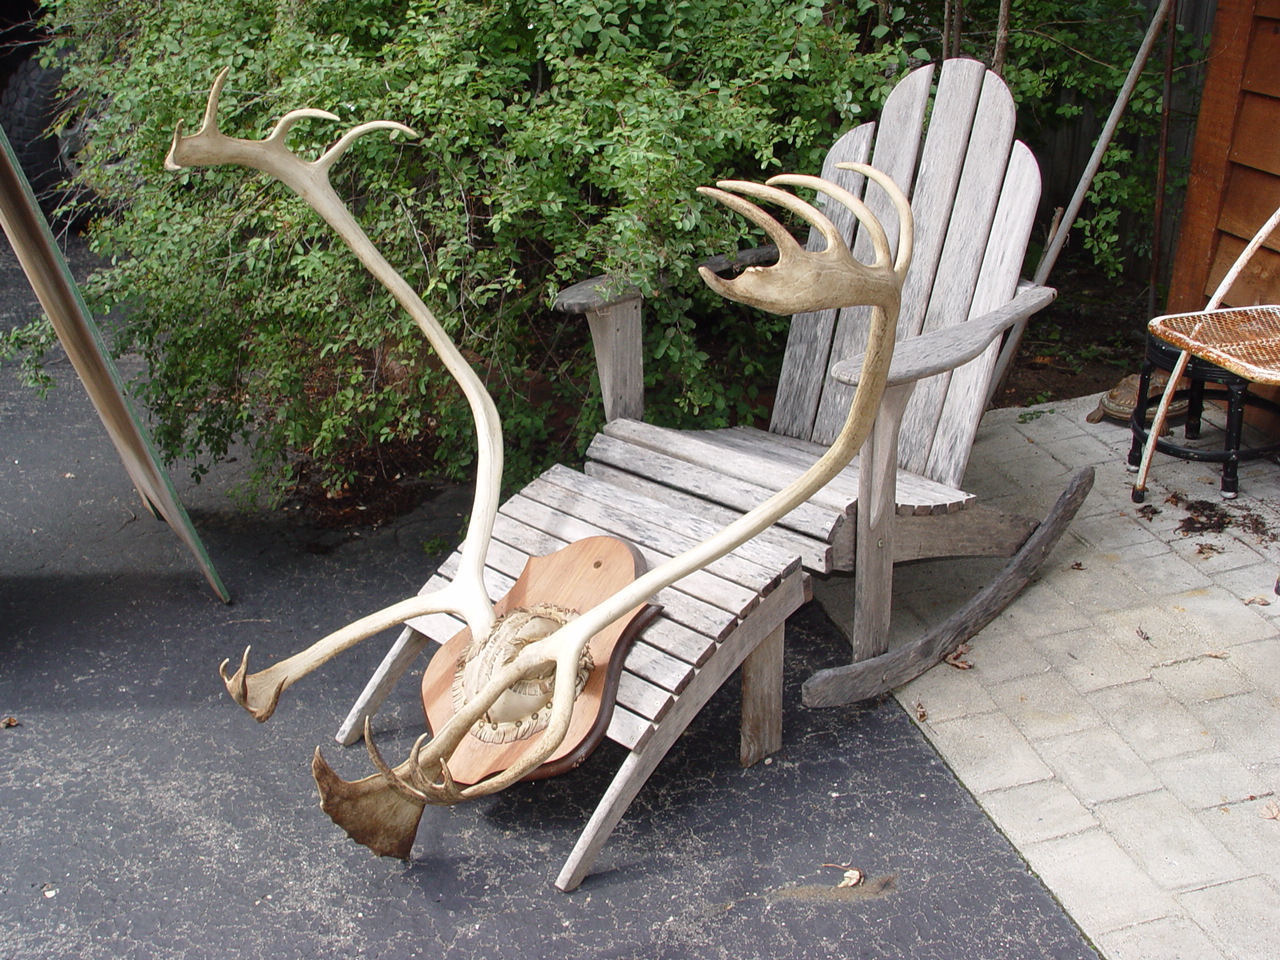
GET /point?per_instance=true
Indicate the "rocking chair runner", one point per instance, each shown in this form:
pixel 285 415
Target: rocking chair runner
pixel 974 198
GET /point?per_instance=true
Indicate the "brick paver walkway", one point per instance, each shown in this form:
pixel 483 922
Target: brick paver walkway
pixel 1121 720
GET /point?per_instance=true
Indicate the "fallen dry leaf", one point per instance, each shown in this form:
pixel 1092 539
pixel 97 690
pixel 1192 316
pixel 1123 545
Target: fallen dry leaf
pixel 852 875
pixel 956 658
pixel 1259 601
pixel 921 713
pixel 1271 811
pixel 851 879
pixel 8 722
pixel 1143 634
pixel 1077 565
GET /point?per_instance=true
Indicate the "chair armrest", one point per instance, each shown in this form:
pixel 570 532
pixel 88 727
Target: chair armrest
pixel 728 265
pixel 598 293
pixel 614 315
pixel 941 350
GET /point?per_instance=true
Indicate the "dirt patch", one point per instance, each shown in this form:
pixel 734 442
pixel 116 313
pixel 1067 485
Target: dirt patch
pixel 1206 516
pixel 1083 343
pixel 385 483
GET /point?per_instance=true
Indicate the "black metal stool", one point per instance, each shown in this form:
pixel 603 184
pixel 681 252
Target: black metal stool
pixel 1234 389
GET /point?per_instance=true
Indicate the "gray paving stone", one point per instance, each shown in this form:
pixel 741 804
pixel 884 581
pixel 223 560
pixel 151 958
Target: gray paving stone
pixel 1083 450
pixel 1111 530
pixel 1098 765
pixel 1037 811
pixel 1168 938
pixel 1255 580
pixel 1000 652
pixel 1163 573
pixel 1248 830
pixel 1158 515
pixel 1215 552
pixel 1202 678
pixel 1131 556
pixel 935 589
pixel 987 752
pixel 1260 663
pixel 1154 632
pixel 1100 584
pixel 1269 773
pixel 1098 882
pixel 1043 705
pixel 1242 917
pixel 1150 720
pixel 945 693
pixel 1042 610
pixel 1090 659
pixel 1215 612
pixel 1202 780
pixel 1170 844
pixel 994 445
pixel 1248 725
pixel 1055 421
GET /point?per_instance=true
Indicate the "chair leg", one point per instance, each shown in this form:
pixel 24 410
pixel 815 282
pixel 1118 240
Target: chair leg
pixel 762 710
pixel 1237 396
pixel 761 733
pixel 1195 409
pixel 877 505
pixel 398 659
pixel 761 628
pixel 1138 419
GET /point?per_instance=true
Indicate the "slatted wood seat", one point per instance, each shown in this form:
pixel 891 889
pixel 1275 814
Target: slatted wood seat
pixel 664 490
pixel 728 615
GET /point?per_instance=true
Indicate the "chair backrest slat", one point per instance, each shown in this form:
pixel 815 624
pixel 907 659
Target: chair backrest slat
pixel 966 233
pixel 970 386
pixel 809 341
pixel 932 195
pixel 809 347
pixel 956 178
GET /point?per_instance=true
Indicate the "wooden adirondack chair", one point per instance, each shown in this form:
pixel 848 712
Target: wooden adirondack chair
pixel 663 490
pixel 974 191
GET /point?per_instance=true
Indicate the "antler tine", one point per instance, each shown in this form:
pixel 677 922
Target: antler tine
pixel 338 149
pixel 210 122
pixel 879 239
pixel 901 206
pixel 259 698
pixel 209 145
pixel 394 780
pixel 806 211
pixel 281 130
pixel 786 244
pixel 802 280
pixel 208 128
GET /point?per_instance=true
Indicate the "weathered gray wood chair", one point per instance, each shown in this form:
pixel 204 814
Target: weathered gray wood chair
pixel 974 196
pixel 974 191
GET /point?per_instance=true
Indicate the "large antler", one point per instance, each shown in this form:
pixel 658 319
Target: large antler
pixel 803 280
pixel 258 693
pixel 383 810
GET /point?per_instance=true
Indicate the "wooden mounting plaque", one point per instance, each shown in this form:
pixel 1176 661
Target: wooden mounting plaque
pixel 574 578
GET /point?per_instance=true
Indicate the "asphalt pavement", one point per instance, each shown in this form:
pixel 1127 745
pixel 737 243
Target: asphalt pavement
pixel 142 814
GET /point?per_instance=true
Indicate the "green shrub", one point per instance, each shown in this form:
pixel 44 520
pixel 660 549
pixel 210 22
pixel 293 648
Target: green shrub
pixel 558 140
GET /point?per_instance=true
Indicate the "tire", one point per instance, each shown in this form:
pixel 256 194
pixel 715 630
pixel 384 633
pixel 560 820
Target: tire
pixel 28 106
